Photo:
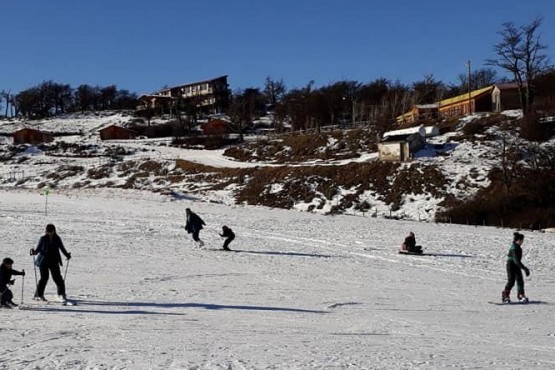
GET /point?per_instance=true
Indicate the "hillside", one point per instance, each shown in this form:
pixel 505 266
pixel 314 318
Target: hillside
pixel 331 172
pixel 300 290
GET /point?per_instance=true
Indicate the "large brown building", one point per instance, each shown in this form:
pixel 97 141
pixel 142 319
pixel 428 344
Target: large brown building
pixel 31 136
pixel 209 96
pixel 494 98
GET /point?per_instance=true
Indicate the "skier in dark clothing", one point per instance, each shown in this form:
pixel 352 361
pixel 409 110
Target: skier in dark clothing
pixel 514 270
pixel 229 234
pixel 6 272
pixel 194 225
pixel 409 244
pixel 50 260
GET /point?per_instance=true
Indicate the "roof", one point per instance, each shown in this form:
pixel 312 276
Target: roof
pixel 460 98
pixel 427 106
pixel 191 84
pixel 509 86
pixel 406 132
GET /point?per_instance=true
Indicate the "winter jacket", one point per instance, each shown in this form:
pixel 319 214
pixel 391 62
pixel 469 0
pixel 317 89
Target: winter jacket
pixel 6 276
pixel 50 249
pixel 515 256
pixel 194 223
pixel 410 243
pixel 227 232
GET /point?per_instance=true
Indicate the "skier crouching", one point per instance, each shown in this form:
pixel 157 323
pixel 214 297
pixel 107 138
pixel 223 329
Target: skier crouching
pixel 6 272
pixel 229 234
pixel 514 270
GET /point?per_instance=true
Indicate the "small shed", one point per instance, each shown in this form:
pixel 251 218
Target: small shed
pixel 32 136
pixel 399 145
pixel 217 127
pixel 114 132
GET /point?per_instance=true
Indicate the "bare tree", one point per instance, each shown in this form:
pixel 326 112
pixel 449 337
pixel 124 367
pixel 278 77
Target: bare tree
pixel 520 52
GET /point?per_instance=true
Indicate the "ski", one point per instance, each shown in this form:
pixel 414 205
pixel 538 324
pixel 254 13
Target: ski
pixel 516 303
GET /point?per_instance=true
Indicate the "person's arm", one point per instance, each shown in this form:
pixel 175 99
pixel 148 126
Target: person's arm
pixel 39 248
pixel 513 257
pixel 63 248
pixel 15 272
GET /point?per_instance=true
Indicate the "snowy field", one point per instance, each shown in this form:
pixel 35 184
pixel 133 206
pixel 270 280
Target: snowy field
pixel 303 291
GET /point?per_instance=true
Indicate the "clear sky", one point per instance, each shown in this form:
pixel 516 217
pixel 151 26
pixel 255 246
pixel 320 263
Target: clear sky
pixel 143 45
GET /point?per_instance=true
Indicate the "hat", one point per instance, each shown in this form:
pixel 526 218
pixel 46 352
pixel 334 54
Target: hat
pixel 7 261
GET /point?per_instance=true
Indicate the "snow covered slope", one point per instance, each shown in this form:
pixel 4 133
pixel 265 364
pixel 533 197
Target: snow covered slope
pixel 302 291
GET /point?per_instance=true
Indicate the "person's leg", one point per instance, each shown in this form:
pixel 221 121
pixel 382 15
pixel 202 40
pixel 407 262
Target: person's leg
pixel 58 279
pixel 227 241
pixel 196 235
pixel 6 296
pixel 519 284
pixel 44 274
pixel 511 277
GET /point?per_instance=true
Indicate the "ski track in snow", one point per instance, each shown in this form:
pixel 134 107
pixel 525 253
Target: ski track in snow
pixel 302 291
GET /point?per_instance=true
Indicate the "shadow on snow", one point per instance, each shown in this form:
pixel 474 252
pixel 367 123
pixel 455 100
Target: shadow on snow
pixel 294 254
pixel 139 305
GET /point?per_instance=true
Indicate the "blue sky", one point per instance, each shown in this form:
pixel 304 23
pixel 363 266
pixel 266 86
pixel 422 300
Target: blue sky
pixel 143 45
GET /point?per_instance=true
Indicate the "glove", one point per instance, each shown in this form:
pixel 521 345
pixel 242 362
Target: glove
pixel 11 282
pixel 22 272
pixel 32 252
pixel 526 271
pixel 68 256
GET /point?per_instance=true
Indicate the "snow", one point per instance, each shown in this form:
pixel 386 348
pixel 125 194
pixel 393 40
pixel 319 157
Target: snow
pixel 305 291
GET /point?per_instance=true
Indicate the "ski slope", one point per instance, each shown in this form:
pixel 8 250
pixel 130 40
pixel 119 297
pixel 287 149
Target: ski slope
pixel 302 291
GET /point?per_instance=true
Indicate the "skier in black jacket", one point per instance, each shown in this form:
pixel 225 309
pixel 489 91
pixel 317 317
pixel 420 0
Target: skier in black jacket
pixel 229 234
pixel 48 251
pixel 6 272
pixel 194 225
pixel 514 270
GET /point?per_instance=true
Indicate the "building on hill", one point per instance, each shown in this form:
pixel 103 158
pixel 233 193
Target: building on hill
pixel 209 96
pixel 31 136
pixel 505 97
pixel 114 132
pixel 419 112
pixel 217 127
pixel 476 101
pixel 493 98
pixel 400 145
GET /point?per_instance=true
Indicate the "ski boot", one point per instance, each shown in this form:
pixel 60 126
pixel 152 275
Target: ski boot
pixel 506 296
pixel 522 297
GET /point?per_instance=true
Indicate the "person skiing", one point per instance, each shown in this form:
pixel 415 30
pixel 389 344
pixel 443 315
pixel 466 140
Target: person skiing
pixel 194 225
pixel 409 245
pixel 6 272
pixel 514 270
pixel 49 260
pixel 229 234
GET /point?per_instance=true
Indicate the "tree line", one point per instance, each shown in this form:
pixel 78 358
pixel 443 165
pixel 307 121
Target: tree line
pixel 50 98
pixel 520 53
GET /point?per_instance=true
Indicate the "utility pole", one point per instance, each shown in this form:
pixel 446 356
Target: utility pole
pixel 469 89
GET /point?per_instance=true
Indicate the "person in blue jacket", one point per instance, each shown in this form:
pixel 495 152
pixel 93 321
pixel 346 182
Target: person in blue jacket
pixel 6 272
pixel 194 225
pixel 514 270
pixel 49 261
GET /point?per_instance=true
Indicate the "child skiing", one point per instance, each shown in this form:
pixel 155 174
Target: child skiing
pixel 194 225
pixel 6 272
pixel 514 270
pixel 229 234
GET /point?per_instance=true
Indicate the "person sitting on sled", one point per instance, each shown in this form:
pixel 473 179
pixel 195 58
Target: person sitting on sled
pixel 409 245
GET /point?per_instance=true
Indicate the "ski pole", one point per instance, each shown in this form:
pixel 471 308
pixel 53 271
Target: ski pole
pixel 22 286
pixel 35 268
pixel 65 273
